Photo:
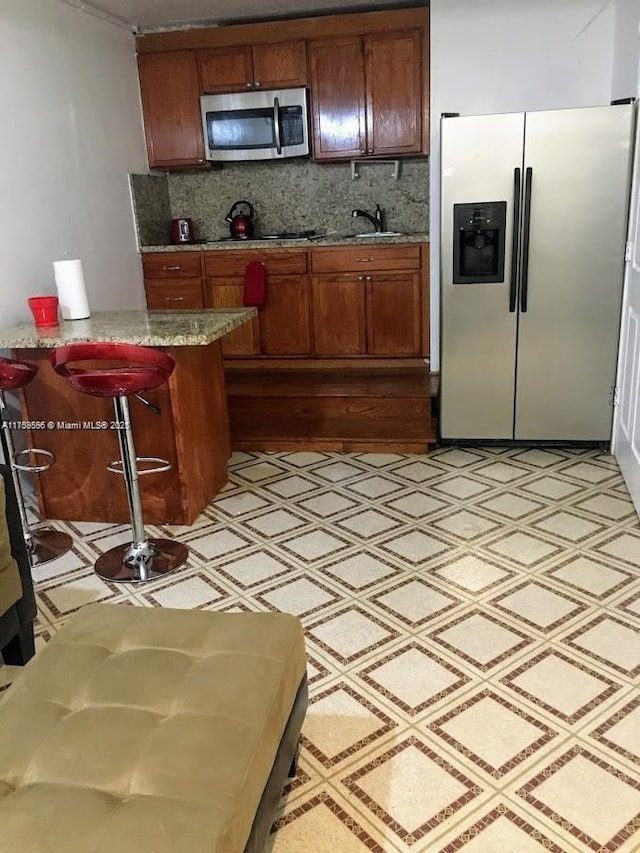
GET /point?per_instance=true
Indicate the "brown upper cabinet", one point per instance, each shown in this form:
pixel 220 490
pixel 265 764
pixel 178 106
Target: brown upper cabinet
pixel 171 109
pixel 260 66
pixel 369 95
pixel 368 73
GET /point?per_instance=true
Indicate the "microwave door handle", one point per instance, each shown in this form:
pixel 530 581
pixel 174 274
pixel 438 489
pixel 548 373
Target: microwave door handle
pixel 276 125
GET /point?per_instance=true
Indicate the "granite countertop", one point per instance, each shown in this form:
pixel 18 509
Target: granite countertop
pixel 145 328
pixel 333 240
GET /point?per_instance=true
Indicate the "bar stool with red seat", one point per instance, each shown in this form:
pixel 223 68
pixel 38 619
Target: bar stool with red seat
pixel 144 368
pixel 46 544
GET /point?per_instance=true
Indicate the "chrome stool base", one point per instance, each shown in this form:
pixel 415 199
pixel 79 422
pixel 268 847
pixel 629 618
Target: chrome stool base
pixel 133 563
pixel 47 545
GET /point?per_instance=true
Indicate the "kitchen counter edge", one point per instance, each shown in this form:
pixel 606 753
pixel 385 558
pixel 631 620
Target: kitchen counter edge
pixel 227 245
pixel 143 328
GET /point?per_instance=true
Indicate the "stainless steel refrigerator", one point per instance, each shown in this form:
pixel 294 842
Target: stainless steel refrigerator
pixel 533 229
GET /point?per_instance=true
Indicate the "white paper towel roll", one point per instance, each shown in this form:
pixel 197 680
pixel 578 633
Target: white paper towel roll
pixel 72 292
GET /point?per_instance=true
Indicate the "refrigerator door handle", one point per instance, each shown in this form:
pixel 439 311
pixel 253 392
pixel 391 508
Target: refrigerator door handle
pixel 526 226
pixel 513 287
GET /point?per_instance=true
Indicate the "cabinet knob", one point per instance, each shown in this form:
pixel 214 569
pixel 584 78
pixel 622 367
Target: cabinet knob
pixel 249 85
pixel 257 84
pixel 170 269
pixel 363 151
pixel 369 150
pixel 361 278
pixel 368 278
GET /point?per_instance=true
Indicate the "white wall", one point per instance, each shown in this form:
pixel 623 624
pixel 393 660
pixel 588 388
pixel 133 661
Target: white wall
pixel 505 56
pixel 71 133
pixel 626 49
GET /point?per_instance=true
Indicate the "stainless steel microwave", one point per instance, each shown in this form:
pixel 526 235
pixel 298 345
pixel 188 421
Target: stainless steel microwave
pixel 268 125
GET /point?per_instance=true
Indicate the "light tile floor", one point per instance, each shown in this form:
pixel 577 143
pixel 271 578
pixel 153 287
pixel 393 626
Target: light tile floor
pixel 472 621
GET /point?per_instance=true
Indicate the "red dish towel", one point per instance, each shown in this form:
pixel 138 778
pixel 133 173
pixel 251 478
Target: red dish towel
pixel 255 285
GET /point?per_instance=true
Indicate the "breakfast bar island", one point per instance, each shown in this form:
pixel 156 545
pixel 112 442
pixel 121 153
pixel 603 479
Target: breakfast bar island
pixel 191 430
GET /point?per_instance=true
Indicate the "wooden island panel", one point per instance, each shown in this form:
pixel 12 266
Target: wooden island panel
pixel 191 432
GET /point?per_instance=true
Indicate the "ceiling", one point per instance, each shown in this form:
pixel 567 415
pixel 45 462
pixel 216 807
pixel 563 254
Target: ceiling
pixel 144 15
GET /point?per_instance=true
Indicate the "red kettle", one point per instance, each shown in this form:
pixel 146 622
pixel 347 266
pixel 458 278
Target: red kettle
pixel 241 226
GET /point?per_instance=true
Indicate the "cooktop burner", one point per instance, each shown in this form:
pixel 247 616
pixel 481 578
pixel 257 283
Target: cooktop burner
pixel 289 235
pixel 280 235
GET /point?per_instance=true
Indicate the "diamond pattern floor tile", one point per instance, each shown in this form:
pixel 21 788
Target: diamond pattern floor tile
pixel 350 634
pixel 610 641
pixel 308 827
pixel 591 577
pixel 538 605
pixel 593 801
pixel 480 639
pixel 563 687
pixel 523 549
pixel 472 621
pixel 621 731
pixel 414 547
pixel 492 733
pixel 472 574
pixel 340 722
pixel 501 830
pixel 414 602
pixel 413 678
pixel 412 789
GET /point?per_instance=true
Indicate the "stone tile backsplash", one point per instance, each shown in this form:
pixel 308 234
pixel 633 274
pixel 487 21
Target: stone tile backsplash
pixel 286 196
pixel 151 208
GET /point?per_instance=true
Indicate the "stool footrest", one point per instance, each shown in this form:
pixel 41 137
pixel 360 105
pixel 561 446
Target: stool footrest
pixel 117 466
pixel 36 451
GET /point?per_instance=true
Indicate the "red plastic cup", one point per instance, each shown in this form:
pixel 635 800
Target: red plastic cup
pixel 44 310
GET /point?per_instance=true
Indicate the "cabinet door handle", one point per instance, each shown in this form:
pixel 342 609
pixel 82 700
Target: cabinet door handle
pixel 170 269
pixel 365 260
pixel 174 298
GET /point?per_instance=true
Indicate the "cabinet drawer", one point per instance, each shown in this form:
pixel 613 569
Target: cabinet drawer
pixel 279 262
pixel 174 295
pixel 365 258
pixel 172 265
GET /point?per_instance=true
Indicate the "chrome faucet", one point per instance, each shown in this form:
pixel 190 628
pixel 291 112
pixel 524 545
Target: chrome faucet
pixel 375 220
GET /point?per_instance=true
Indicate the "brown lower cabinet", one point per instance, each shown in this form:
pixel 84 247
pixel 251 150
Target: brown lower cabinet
pixel 371 314
pixel 339 315
pixel 355 301
pixel 393 314
pixel 369 301
pixel 173 280
pixel 335 358
pixel 283 324
pixel 227 293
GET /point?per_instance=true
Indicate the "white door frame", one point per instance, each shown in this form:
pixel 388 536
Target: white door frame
pixel 625 443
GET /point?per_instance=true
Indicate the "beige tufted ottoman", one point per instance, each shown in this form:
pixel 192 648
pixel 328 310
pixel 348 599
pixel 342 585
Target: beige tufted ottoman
pixel 151 730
